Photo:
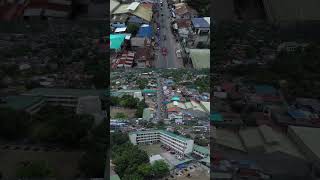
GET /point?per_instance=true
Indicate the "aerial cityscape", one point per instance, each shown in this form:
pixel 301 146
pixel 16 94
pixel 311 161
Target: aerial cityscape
pixel 164 117
pixel 160 89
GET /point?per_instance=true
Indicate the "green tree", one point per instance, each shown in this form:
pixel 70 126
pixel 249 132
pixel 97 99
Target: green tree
pixel 34 169
pixel 160 168
pixel 201 141
pixel 142 83
pixel 133 29
pixel 127 158
pixel 118 138
pixel 132 177
pixel 140 107
pixel 120 115
pixel 145 170
pixel 114 101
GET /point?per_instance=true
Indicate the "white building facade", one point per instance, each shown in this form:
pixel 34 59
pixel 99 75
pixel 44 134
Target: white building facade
pixel 177 143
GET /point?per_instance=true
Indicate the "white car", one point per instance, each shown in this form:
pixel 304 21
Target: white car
pixel 178 53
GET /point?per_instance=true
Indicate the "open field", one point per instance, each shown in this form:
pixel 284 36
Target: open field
pixel 152 149
pixel 63 164
pixel 128 112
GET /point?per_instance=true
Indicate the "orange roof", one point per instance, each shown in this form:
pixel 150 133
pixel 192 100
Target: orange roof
pixel 173 109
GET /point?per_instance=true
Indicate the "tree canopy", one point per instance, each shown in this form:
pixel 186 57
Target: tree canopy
pixel 34 169
pixel 132 162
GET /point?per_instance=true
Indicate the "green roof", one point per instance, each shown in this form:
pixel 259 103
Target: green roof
pixel 183 161
pixel 200 58
pixel 20 102
pixel 203 150
pixel 114 177
pixel 175 98
pixel 66 92
pixel 216 117
pixel 174 135
pixel 116 40
pixel 206 160
pixel 149 91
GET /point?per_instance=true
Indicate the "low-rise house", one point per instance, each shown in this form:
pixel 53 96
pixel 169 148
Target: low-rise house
pixel 140 42
pixel 143 57
pixel 119 20
pixel 183 11
pixel 201 29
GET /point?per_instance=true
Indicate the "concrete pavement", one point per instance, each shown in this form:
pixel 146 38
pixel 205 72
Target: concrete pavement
pixel 170 60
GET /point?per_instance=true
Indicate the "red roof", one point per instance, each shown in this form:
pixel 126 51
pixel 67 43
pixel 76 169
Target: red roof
pixel 173 109
pixel 183 23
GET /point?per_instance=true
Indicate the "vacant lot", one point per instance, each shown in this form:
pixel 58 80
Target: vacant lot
pixel 130 113
pixel 63 164
pixel 152 149
pixel 198 173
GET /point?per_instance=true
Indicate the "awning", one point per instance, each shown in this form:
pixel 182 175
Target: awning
pixel 122 29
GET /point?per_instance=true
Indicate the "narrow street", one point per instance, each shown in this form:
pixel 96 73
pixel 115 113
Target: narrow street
pixel 166 40
pixel 159 112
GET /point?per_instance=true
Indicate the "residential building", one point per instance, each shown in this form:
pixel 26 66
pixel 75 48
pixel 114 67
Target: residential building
pixel 134 93
pixel 183 11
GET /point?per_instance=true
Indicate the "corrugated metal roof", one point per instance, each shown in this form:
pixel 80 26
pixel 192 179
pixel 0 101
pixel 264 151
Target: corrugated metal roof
pixel 200 58
pixel 201 149
pixel 200 23
pixel 122 9
pixel 144 13
pixel 133 6
pixel 116 40
pixel 113 5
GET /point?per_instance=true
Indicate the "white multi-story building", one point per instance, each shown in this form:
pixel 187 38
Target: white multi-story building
pixel 177 143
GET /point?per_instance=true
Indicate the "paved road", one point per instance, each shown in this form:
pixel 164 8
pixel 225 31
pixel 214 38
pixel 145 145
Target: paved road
pixel 160 115
pixel 170 60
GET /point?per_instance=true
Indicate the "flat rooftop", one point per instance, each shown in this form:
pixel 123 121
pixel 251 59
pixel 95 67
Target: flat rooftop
pixel 66 92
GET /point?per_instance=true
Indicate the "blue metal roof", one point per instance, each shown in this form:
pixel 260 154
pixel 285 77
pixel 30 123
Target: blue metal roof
pixel 135 19
pixel 200 23
pixel 296 114
pixel 145 31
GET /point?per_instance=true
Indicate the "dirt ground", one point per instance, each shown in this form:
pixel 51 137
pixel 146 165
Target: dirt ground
pixel 63 164
pixel 129 112
pixel 152 149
